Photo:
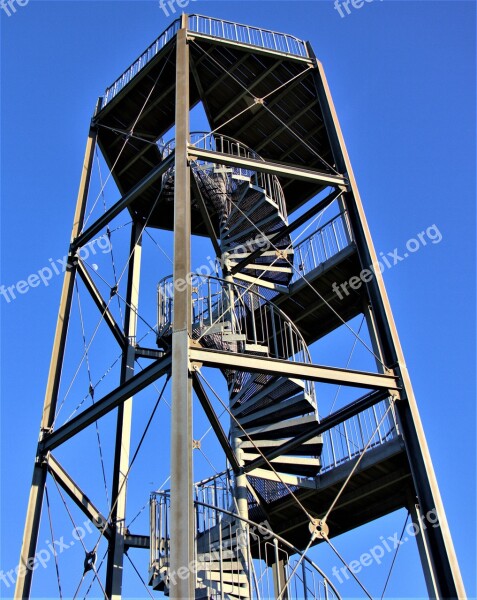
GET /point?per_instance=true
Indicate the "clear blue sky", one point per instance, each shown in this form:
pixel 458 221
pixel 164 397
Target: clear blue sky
pixel 402 75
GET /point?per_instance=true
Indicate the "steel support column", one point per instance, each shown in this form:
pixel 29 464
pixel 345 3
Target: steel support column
pixel 114 573
pixel 182 502
pixel 35 501
pixel 442 558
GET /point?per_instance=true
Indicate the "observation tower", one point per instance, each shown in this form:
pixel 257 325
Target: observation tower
pixel 246 343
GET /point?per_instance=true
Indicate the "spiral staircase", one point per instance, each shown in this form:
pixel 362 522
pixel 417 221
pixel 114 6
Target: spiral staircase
pixel 233 314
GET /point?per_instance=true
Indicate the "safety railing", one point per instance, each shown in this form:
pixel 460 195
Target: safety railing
pixel 226 145
pixel 254 36
pixel 243 319
pixel 365 430
pixel 122 81
pixel 322 244
pixel 306 585
pixel 237 551
pixel 213 492
pixel 233 318
pixel 245 34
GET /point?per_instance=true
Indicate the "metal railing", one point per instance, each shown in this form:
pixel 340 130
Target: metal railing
pixel 348 439
pixel 246 34
pixel 215 491
pixel 122 81
pixel 238 319
pixel 229 146
pixel 322 244
pixel 254 36
pixel 226 547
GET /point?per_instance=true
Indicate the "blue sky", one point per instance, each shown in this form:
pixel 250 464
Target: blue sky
pixel 402 75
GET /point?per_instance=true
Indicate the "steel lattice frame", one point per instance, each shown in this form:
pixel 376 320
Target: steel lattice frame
pixel 437 552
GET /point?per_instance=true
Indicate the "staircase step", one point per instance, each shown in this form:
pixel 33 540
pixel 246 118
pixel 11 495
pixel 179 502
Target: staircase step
pixel 300 404
pixel 237 590
pixel 293 465
pixel 227 565
pixel 240 232
pixel 283 429
pixel 250 245
pixel 237 578
pixel 311 448
pixel 276 390
pixel 211 556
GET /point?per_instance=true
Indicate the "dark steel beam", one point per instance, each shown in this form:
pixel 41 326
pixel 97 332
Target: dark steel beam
pixel 81 500
pixel 101 304
pixel 106 404
pixel 215 423
pixel 442 563
pixel 125 201
pixel 35 501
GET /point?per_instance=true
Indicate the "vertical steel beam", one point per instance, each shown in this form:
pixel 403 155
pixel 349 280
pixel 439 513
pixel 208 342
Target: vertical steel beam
pixel 114 574
pixel 35 502
pixel 279 573
pixel 442 558
pixel 182 501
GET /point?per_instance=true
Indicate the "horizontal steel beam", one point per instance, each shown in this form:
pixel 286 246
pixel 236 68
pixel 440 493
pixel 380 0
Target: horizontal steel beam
pixel 285 368
pixel 269 167
pixel 78 496
pixel 125 201
pixel 136 541
pixel 325 424
pixel 108 403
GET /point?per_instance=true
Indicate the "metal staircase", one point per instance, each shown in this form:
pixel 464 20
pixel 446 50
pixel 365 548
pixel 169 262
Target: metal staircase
pixel 234 556
pixel 232 314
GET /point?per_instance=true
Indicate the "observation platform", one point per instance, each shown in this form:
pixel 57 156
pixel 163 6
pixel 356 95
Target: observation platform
pixel 226 60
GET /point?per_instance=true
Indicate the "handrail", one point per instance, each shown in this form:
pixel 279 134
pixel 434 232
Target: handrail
pixel 246 290
pixel 248 34
pixel 260 527
pixel 319 246
pixel 347 440
pixel 254 36
pixel 142 60
pixel 224 144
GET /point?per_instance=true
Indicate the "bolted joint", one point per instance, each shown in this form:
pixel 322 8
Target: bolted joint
pixel 318 529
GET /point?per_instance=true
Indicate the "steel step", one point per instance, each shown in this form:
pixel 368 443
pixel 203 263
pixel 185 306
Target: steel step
pixel 312 447
pixel 293 465
pixel 280 430
pixel 275 390
pixel 298 405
